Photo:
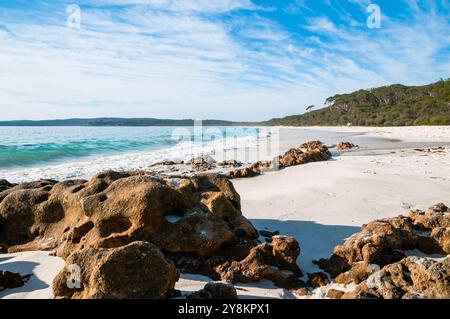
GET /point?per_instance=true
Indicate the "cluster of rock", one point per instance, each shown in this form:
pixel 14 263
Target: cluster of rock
pixel 119 228
pixel 10 280
pixel 309 152
pixel 375 258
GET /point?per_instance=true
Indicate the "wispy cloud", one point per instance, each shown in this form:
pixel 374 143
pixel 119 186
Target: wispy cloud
pixel 231 59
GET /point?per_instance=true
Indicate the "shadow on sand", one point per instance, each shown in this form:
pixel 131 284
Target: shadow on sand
pixel 316 240
pixel 24 268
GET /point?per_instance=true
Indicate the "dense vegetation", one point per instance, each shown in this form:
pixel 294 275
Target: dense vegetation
pixel 394 105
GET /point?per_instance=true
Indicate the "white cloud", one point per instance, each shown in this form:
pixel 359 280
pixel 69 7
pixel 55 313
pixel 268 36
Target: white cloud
pixel 176 62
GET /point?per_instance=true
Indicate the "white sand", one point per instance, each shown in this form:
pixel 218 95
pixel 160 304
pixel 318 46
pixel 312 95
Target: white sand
pixel 320 204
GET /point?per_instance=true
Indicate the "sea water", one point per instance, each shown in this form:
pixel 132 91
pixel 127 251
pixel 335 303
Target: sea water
pixel 28 153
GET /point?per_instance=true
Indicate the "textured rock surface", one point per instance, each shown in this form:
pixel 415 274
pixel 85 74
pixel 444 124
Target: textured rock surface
pixel 203 163
pixel 137 270
pixel 318 279
pixel 215 290
pixel 335 294
pixel 274 261
pixel 384 241
pixel 196 215
pixel 195 222
pixel 10 280
pixel 306 153
pixel 345 146
pixel 410 278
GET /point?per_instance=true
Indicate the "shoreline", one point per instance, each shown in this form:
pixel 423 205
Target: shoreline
pixel 320 204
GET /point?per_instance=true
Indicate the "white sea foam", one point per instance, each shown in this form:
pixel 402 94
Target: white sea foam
pixel 89 166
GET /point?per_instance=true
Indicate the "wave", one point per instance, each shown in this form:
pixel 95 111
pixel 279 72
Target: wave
pixel 131 157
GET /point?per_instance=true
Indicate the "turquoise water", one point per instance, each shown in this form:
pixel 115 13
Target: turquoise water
pixel 30 146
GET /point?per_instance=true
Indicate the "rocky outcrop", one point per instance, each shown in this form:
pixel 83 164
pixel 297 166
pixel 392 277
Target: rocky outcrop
pixel 313 153
pixel 215 290
pixel 345 146
pixel 410 278
pixel 195 222
pixel 196 215
pixel 318 279
pixel 4 185
pixel 275 261
pixel 384 241
pixel 230 164
pixel 306 153
pixel 254 170
pixel 311 145
pixel 9 280
pixel 375 258
pixel 137 270
pixel 335 294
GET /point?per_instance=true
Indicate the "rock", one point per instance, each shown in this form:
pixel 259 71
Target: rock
pixel 358 273
pixel 345 146
pixel 195 221
pixel 412 277
pixel 439 208
pixel 315 152
pixel 275 262
pixel 254 170
pixel 215 290
pixel 167 163
pixel 384 241
pixel 302 292
pixel 335 294
pixel 196 215
pixel 318 279
pixel 230 164
pixel 4 185
pixel 221 290
pixel 9 280
pixel 137 270
pixel 203 163
pixel 295 156
pixel 311 145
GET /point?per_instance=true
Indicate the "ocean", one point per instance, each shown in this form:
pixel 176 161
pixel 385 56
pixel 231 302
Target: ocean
pixel 28 153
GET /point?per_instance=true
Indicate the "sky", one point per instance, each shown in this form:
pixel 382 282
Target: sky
pixel 223 59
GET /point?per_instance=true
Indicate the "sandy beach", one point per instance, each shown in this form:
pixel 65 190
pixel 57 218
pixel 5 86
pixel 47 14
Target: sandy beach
pixel 320 204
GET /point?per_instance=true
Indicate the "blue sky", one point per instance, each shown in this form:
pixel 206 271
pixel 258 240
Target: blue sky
pixel 227 59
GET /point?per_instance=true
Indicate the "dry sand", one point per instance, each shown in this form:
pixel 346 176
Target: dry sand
pixel 320 204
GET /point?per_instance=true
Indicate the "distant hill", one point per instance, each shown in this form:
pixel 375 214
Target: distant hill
pixel 119 122
pixel 394 105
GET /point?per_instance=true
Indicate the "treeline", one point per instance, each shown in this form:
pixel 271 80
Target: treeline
pixel 394 105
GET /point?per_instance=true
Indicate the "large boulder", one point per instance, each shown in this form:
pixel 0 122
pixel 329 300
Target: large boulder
pixel 345 146
pixel 137 270
pixel 274 261
pixel 196 215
